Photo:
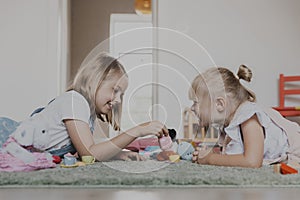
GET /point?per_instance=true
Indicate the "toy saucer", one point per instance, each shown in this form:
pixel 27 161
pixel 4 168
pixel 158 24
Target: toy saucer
pixel 90 163
pixel 69 166
pixel 80 164
pixel 174 158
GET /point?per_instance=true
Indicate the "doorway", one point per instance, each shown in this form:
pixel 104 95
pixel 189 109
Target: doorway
pixel 131 42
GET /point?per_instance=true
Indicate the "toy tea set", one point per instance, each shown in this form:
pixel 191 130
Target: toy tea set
pixel 70 161
pixel 166 148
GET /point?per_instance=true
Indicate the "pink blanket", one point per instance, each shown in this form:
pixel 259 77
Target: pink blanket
pixel 14 157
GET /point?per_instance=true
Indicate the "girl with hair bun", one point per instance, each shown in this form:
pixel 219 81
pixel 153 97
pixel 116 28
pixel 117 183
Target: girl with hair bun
pixel 249 135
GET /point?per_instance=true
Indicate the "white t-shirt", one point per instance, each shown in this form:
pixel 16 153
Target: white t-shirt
pixel 46 130
pixel 275 143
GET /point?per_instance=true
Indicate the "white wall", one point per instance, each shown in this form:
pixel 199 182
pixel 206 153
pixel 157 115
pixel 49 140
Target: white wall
pixel 265 35
pixel 31 55
pixel 130 41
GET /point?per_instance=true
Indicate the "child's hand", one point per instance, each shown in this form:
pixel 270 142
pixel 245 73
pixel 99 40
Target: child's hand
pixel 201 155
pixel 153 128
pixel 129 155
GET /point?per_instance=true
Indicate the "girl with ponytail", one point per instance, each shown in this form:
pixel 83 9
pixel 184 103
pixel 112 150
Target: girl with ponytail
pixel 248 134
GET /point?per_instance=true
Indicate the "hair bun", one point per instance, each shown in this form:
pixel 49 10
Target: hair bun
pixel 244 73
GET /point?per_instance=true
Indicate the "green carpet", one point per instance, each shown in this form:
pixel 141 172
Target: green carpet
pixel 149 174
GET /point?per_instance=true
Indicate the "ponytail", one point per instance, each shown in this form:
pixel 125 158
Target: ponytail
pixel 245 73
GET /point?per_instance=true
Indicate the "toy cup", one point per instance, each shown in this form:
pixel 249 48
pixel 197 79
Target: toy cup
pixel 88 159
pixel 69 160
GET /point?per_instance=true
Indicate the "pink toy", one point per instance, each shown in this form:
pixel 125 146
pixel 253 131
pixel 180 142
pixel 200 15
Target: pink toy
pixel 165 143
pixel 141 144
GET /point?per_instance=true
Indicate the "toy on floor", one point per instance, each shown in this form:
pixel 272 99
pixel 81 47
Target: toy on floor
pixel 164 155
pixel 88 159
pixel 56 159
pixel 163 149
pixel 150 152
pixel 283 168
pixel 165 143
pixel 141 144
pixel 174 158
pixel 185 150
pixel 68 161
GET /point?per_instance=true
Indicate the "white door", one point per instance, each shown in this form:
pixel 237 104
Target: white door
pixel 131 41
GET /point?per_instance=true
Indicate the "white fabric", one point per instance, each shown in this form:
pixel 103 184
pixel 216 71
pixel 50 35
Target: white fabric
pixel 46 130
pixel 292 129
pixel 275 143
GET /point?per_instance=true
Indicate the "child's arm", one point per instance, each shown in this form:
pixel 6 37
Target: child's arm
pixel 253 149
pixel 82 139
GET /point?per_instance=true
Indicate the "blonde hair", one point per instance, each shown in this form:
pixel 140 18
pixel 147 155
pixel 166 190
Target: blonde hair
pixel 90 77
pixel 218 81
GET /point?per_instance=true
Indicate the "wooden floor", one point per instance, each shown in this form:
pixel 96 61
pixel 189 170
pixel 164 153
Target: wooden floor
pixel 150 194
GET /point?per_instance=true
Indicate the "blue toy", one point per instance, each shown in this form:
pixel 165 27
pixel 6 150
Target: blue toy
pixel 185 150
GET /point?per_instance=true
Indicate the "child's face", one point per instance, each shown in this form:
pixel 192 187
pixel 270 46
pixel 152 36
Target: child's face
pixel 110 93
pixel 208 111
pixel 202 110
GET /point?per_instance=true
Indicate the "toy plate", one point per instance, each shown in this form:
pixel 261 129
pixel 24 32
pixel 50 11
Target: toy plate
pixel 69 166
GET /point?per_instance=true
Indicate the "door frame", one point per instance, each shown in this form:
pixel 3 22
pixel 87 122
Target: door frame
pixel 63 44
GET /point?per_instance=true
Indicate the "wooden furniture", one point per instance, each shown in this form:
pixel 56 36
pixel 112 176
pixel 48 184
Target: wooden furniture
pixel 289 86
pixel 190 124
pixel 193 131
